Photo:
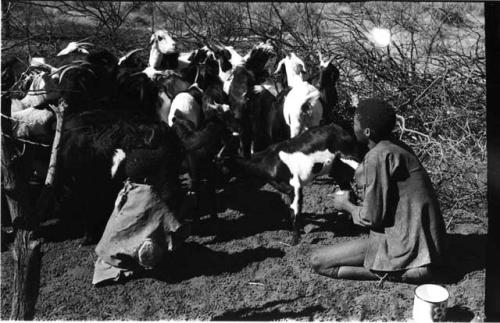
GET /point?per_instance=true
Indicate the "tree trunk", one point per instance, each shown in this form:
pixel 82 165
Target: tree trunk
pixel 27 253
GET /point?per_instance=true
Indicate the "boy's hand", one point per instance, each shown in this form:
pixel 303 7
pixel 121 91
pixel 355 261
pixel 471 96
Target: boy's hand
pixel 341 200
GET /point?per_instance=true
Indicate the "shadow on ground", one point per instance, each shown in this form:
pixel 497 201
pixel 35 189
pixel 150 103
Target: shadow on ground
pixel 459 313
pixel 192 260
pixel 264 210
pixel 270 312
pixel 465 253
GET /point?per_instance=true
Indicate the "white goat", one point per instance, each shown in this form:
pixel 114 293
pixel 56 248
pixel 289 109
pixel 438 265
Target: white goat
pixel 161 44
pixel 43 88
pixel 33 123
pixel 302 108
pixel 295 69
pixel 188 104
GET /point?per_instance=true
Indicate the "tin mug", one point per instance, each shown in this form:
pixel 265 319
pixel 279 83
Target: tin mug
pixel 430 303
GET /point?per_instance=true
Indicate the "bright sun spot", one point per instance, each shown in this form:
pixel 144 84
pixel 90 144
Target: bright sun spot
pixel 381 37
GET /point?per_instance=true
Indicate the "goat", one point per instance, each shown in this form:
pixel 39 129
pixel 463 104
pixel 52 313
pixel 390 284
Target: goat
pixel 295 69
pixel 245 97
pixel 328 77
pixel 294 163
pixel 228 59
pixel 135 91
pixel 163 54
pixel 205 92
pixel 212 85
pixel 195 59
pixel 302 108
pixel 188 105
pixel 83 83
pixel 90 84
pixel 201 147
pixel 44 88
pixel 205 68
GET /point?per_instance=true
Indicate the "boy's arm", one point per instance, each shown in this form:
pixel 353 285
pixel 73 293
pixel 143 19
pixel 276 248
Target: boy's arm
pixel 377 172
pixel 356 211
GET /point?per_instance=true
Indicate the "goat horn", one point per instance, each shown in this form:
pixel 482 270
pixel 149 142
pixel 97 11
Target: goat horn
pixel 84 39
pixel 134 51
pixel 136 73
pixel 320 56
pixel 219 154
pixel 84 44
pixel 70 68
pixel 57 70
pixel 128 55
pixel 197 74
pixel 195 85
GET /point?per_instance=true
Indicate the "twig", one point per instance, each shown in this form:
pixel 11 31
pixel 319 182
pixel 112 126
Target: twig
pixel 284 243
pixel 25 141
pixel 254 283
pixel 59 111
pixel 430 85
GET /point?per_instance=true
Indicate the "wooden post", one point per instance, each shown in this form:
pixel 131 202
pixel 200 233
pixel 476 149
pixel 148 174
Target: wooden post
pixel 26 252
pixel 27 247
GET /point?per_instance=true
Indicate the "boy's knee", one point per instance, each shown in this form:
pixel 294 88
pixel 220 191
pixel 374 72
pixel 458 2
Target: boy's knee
pixel 319 266
pixel 316 262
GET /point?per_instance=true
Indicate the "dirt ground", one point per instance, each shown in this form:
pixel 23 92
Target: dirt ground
pixel 244 270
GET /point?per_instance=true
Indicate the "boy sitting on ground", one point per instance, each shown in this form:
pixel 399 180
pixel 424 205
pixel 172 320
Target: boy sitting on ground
pixel 399 207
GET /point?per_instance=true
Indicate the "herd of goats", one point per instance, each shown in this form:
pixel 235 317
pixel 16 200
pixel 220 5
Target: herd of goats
pixel 210 112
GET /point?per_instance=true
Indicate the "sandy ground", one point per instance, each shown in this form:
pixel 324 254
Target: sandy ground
pixel 244 270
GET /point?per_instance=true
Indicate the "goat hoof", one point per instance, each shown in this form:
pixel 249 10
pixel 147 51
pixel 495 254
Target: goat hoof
pixel 295 240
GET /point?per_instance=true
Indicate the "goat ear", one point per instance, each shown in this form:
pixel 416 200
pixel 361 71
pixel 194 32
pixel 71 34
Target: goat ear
pixel 149 139
pixel 320 57
pixel 278 68
pixel 152 39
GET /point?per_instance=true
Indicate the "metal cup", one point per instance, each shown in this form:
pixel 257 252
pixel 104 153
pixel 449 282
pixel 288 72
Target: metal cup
pixel 430 303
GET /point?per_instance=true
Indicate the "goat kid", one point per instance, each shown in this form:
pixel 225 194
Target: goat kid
pixel 292 164
pixel 302 107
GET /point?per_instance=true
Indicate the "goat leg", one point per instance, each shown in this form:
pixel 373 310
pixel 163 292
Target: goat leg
pixel 295 213
pixel 213 197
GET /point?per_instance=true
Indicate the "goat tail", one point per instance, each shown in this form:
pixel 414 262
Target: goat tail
pixel 118 157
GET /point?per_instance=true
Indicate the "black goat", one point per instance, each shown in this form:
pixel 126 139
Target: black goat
pixel 244 97
pixel 293 163
pixel 328 77
pixel 201 148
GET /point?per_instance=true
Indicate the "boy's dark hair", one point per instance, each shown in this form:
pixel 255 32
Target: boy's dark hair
pixel 378 115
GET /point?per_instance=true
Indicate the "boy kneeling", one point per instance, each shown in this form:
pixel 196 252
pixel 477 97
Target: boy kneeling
pixel 400 208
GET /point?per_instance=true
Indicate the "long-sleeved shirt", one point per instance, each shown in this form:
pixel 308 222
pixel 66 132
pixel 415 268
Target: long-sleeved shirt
pixel 400 208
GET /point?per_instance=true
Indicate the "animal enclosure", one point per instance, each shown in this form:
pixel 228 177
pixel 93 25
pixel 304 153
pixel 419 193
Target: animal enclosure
pixel 240 264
